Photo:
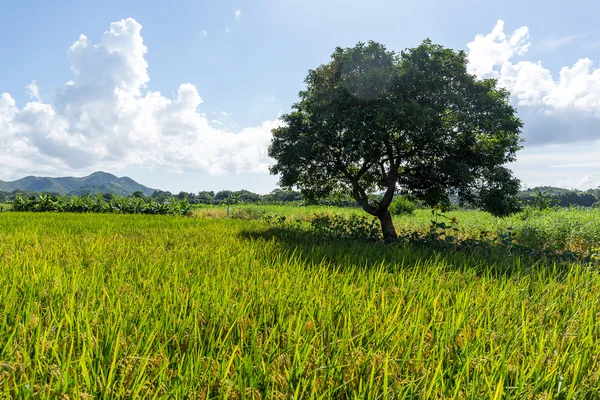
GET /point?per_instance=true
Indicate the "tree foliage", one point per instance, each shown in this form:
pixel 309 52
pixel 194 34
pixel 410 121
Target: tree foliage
pixel 417 122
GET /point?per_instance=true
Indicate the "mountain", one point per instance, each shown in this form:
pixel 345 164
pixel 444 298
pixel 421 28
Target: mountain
pixel 98 182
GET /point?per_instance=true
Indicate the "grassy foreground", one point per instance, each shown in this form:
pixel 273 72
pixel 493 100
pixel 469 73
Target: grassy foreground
pixel 134 306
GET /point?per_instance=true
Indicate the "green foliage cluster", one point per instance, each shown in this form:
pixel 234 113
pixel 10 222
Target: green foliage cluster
pixel 133 306
pixel 401 206
pixel 99 204
pixel 7 197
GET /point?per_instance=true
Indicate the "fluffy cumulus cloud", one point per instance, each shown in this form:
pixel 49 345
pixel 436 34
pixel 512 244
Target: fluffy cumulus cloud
pixel 558 109
pixel 106 117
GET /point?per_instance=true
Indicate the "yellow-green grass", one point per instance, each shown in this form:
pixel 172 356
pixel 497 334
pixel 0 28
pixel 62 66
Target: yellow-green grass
pixel 134 306
pixel 255 211
pixel 577 229
pixel 565 229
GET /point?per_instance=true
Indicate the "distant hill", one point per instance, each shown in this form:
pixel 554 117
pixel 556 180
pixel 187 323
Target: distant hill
pixel 98 182
pixel 547 189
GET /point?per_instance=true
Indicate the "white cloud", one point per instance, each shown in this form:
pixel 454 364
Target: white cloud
pixel 33 90
pixel 204 32
pixel 554 110
pixel 492 50
pixel 237 13
pixel 106 118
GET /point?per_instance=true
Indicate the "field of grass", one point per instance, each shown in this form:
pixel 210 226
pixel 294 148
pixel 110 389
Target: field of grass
pixel 136 306
pixel 572 229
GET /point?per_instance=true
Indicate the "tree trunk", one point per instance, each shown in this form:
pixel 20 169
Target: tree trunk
pixel 387 225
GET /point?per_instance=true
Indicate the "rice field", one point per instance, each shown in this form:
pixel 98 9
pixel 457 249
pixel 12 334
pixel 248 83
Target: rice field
pixel 98 306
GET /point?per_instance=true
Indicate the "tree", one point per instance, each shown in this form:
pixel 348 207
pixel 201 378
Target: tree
pixel 416 122
pixel 276 195
pixel 222 196
pixel 161 196
pixel 246 196
pixel 206 197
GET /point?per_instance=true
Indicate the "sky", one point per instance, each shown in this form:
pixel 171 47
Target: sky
pixel 183 95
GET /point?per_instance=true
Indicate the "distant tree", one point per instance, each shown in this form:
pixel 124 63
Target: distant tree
pixel 160 196
pixel 206 197
pixel 138 194
pixel 577 198
pixel 276 195
pixel 372 120
pixel 222 196
pixel 292 195
pixel 247 196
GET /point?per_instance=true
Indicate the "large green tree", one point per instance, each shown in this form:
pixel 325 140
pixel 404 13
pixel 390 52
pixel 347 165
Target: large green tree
pixel 372 120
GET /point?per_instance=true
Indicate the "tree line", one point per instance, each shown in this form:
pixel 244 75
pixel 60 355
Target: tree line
pixel 205 197
pixel 546 197
pixel 540 197
pixel 276 196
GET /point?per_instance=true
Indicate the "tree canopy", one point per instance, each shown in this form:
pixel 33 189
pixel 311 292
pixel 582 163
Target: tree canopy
pixel 372 120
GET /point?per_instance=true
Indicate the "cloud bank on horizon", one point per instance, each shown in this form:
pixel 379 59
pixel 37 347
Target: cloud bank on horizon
pixel 106 117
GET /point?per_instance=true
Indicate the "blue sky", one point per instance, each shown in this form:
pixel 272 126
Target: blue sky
pixel 182 95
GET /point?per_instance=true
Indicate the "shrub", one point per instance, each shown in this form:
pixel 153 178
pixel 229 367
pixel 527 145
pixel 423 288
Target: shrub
pixel 401 206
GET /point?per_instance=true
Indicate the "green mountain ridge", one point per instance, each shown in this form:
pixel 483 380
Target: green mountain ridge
pixel 98 182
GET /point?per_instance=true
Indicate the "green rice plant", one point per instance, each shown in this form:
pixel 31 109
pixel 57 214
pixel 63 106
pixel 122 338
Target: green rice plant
pixel 107 305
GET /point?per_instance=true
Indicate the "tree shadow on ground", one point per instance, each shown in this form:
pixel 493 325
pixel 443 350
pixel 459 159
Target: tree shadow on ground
pixel 346 254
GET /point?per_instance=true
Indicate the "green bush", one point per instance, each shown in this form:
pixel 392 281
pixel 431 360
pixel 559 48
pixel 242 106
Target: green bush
pixel 402 206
